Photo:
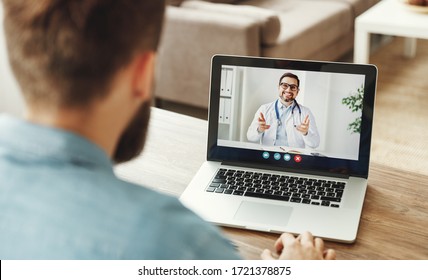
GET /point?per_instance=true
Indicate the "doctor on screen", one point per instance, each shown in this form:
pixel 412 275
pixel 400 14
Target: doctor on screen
pixel 284 122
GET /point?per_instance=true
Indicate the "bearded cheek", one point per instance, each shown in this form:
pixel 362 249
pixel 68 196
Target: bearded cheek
pixel 131 142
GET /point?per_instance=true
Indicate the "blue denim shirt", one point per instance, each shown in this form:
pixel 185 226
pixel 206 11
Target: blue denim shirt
pixel 59 199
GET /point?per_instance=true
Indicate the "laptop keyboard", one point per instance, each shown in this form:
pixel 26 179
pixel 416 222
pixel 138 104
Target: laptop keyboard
pixel 272 186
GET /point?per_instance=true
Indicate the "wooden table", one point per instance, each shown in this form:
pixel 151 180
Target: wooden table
pixel 394 222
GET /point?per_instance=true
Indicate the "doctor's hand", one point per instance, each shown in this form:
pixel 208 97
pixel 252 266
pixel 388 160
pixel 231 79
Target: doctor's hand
pixel 262 124
pixel 303 247
pixel 304 126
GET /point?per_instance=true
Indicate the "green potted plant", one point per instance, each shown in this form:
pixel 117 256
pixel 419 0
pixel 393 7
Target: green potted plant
pixel 355 103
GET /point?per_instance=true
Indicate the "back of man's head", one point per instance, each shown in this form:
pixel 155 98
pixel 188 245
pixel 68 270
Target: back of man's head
pixel 65 52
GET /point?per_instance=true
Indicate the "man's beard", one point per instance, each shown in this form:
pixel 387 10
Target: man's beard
pixel 286 100
pixel 131 142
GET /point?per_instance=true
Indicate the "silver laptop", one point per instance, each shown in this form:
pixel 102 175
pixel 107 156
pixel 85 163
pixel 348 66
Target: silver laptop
pixel 288 146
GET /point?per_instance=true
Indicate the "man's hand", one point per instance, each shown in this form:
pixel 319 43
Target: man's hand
pixel 304 247
pixel 262 124
pixel 304 126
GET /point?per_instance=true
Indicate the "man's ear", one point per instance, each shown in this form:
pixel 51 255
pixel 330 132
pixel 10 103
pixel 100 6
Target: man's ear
pixel 143 75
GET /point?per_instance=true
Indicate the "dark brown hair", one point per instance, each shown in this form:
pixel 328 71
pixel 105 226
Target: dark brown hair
pixel 66 52
pixel 290 75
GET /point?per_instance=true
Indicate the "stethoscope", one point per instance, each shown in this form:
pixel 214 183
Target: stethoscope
pixel 278 120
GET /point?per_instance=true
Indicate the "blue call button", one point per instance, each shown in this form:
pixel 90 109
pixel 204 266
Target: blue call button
pixel 266 155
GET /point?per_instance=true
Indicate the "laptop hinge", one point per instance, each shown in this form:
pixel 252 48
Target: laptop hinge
pixel 282 169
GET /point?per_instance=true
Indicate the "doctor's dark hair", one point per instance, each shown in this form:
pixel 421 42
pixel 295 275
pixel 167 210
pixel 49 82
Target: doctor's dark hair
pixel 290 75
pixel 66 52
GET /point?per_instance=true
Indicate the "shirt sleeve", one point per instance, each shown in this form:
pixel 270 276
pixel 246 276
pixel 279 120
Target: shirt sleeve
pixel 253 135
pixel 312 139
pixel 176 233
pixel 205 239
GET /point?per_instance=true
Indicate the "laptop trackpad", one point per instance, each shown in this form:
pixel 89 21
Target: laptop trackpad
pixel 263 213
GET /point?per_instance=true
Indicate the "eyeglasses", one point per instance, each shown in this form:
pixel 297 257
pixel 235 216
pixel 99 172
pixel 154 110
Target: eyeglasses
pixel 292 87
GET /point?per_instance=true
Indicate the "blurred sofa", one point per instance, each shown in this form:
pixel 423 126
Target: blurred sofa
pixel 196 30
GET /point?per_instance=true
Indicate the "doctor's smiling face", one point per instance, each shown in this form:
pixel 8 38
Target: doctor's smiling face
pixel 288 88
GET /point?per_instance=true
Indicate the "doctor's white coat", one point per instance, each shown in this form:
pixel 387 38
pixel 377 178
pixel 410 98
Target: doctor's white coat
pixel 295 138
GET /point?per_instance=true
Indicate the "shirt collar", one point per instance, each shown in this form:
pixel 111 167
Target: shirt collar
pixel 43 142
pixel 281 106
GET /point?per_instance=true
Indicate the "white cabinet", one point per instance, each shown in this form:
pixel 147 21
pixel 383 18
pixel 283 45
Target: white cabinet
pixel 228 110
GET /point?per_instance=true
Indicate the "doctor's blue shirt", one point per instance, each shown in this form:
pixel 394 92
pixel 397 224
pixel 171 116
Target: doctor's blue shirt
pixel 284 113
pixel 60 199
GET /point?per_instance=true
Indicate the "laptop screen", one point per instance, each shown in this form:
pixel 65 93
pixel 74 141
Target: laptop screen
pixel 291 115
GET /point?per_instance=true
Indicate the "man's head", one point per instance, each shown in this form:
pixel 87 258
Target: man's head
pixel 288 87
pixel 65 54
